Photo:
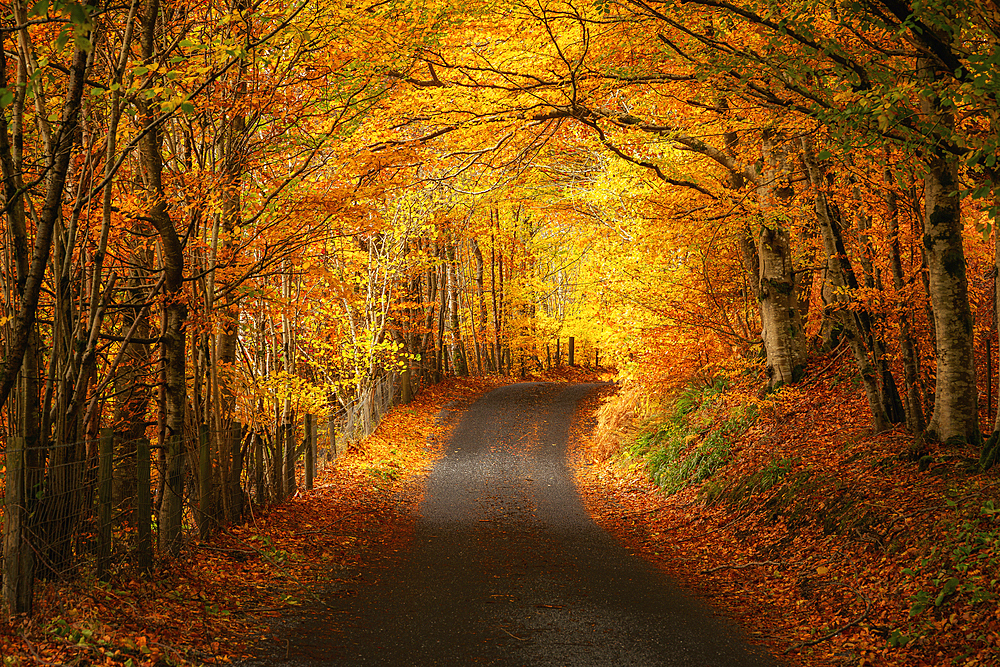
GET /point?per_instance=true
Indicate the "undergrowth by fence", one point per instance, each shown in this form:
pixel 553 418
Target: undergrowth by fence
pixel 88 509
pixel 362 417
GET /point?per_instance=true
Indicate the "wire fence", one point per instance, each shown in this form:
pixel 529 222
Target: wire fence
pixel 362 416
pixel 74 508
pixel 95 506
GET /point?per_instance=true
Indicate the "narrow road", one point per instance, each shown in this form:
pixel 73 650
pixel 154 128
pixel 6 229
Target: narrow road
pixel 507 568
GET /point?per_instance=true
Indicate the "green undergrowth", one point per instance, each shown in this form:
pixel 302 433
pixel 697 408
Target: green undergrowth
pixel 783 490
pixel 911 529
pixel 958 570
pixel 694 441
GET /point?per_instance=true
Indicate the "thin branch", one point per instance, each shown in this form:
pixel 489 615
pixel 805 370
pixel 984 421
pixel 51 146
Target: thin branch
pixel 743 566
pixel 830 635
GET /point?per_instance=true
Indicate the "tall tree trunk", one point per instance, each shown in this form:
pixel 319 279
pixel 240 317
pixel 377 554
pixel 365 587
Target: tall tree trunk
pixel 173 344
pixel 132 387
pixel 411 315
pixel 22 472
pixel 441 365
pixel 131 382
pixel 27 410
pixel 498 299
pixel 481 295
pixel 990 454
pixel 428 352
pixel 234 159
pixel 991 449
pixel 915 420
pixel 841 277
pixel 59 153
pixel 781 319
pixel 288 366
pixel 956 400
pixel 460 364
pixel 59 161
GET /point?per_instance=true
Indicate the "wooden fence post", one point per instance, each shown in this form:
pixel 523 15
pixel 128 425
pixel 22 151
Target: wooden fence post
pixel 204 482
pixel 105 451
pixel 236 473
pixel 143 506
pixel 310 450
pixel 290 459
pixel 258 467
pixel 572 351
pixel 18 575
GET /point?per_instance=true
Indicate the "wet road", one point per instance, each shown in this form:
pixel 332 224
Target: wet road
pixel 507 568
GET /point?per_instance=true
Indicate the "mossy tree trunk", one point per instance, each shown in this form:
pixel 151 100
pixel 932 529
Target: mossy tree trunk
pixel 956 401
pixel 780 317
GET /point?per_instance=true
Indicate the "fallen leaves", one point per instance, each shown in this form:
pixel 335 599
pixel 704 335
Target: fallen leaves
pixel 834 579
pixel 817 593
pixel 217 602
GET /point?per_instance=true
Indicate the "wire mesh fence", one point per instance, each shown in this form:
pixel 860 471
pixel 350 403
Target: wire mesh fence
pixel 78 508
pixel 71 509
pixel 362 416
pixel 88 508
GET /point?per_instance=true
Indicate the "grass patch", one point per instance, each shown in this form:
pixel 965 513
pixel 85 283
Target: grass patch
pixel 696 439
pixel 742 492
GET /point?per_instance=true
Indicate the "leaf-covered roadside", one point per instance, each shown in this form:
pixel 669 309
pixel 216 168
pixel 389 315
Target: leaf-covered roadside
pixel 830 545
pixel 217 602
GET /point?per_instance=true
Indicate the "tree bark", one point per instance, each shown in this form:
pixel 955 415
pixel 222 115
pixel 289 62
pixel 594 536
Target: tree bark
pixel 51 210
pixel 781 319
pixel 991 449
pixel 441 363
pixel 841 277
pixel 175 310
pixel 480 293
pixel 26 414
pixel 915 421
pixel 428 348
pixel 956 401
pixel 460 365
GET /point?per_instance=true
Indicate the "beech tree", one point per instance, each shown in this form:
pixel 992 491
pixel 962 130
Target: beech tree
pixel 808 76
pixel 860 92
pixel 244 211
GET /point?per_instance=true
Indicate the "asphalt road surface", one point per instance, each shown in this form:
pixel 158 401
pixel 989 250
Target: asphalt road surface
pixel 507 568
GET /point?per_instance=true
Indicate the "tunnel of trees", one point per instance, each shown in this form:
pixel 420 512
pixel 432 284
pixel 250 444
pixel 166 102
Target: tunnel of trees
pixel 220 217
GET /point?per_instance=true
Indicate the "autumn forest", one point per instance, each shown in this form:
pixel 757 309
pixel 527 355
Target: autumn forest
pixel 235 228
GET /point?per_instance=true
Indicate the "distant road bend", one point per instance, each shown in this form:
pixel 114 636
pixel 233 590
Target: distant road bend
pixel 507 568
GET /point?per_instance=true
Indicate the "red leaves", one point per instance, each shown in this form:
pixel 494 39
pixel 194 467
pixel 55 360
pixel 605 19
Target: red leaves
pixel 831 579
pixel 213 604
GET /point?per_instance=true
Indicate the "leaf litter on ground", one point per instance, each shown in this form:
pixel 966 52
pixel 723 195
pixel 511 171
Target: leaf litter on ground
pixel 218 601
pixel 902 577
pixel 865 550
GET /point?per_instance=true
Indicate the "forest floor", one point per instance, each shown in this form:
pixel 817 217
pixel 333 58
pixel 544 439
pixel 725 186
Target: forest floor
pixel 830 545
pixel 823 559
pixel 222 598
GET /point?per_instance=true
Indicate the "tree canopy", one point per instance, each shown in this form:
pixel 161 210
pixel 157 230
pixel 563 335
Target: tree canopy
pixel 243 211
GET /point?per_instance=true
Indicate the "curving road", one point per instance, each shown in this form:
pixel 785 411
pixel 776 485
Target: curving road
pixel 507 568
